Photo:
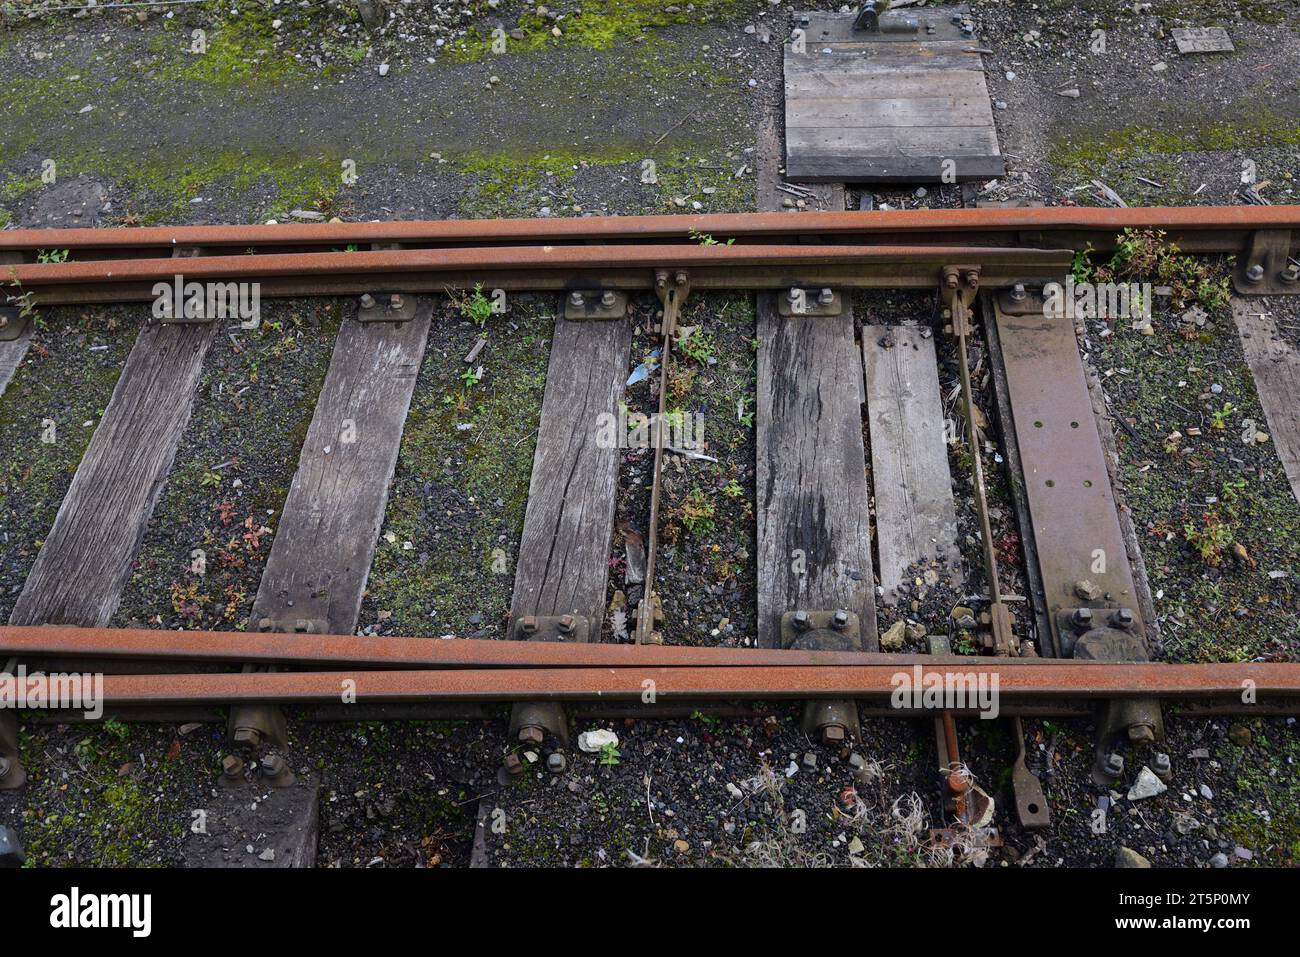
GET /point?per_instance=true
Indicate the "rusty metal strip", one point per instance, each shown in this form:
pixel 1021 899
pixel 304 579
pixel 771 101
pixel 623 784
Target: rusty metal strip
pixel 391 652
pixel 1198 228
pixel 1065 680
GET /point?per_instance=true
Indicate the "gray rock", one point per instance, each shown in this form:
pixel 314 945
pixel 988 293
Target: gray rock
pixel 1126 857
pixel 1146 786
pixel 1219 860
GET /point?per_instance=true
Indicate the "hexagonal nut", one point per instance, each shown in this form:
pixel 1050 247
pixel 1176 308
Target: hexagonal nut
pixel 513 765
pixel 531 734
pixel 833 734
pixel 247 737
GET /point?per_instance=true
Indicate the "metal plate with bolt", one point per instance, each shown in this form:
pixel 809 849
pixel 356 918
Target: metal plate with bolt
pixel 1020 301
pixel 393 307
pixel 552 628
pixel 799 301
pixel 875 22
pixel 1268 268
pixel 12 323
pixel 595 304
pixel 837 630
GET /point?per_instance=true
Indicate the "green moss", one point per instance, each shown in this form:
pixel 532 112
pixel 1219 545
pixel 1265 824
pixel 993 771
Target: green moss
pixel 599 25
pixel 1085 153
pixel 1266 814
pixel 241 51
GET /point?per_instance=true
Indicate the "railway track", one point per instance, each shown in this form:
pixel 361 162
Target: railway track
pixel 1086 648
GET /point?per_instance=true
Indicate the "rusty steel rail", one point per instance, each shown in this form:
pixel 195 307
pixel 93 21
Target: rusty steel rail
pixel 392 652
pixel 1065 680
pixel 532 267
pixel 1197 228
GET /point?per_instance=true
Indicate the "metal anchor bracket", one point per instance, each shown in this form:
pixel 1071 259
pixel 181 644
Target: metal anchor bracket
pixel 575 628
pixel 802 301
pixel 385 307
pixel 13 324
pixel 837 630
pixel 1267 268
pixel 582 304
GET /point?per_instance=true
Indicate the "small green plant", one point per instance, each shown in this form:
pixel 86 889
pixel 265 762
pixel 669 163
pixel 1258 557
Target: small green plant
pixel 733 489
pixel 1081 268
pixel 1219 418
pixel 475 307
pixel 697 512
pixel 52 256
pixel 708 720
pixel 704 239
pixel 965 644
pixel 1212 539
pixel 744 414
pixel 697 346
pixel 609 755
pixel 210 479
pixel 1145 254
pixel 117 729
pixel 471 377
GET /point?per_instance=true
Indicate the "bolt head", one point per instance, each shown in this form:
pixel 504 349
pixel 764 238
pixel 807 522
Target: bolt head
pixel 1161 764
pixel 1018 292
pixel 273 764
pixel 556 762
pixel 826 297
pixel 513 765
pixel 531 734
pixel 395 301
pixel 840 620
pixel 567 624
pixel 680 278
pixel 1255 272
pixel 1114 764
pixel 833 734
pixel 1123 618
pixel 231 765
pixel 1141 733
pixel 800 621
pixel 575 298
pixel 247 737
pixel 528 624
pixel 607 299
pixel 1290 274
pixel 367 301
pixel 1082 617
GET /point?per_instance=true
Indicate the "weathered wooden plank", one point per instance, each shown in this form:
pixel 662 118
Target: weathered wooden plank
pixel 815 112
pixel 819 168
pixel 569 521
pixel 954 141
pixel 814 537
pixel 11 357
pixel 320 558
pixel 78 576
pixel 916 520
pixel 866 59
pixel 802 79
pixel 1275 365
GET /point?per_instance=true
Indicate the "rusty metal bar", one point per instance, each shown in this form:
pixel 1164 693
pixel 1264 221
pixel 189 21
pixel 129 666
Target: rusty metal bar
pixel 385 652
pixel 530 267
pixel 1064 680
pixel 1200 228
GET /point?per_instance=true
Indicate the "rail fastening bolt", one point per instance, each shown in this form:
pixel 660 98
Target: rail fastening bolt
pixel 367 301
pixel 1018 292
pixel 567 624
pixel 1161 765
pixel 1082 617
pixel 607 299
pixel 247 737
pixel 1141 733
pixel 1114 765
pixel 832 734
pixel 800 621
pixel 680 278
pixel 840 620
pixel 1255 272
pixel 528 624
pixel 556 762
pixel 575 298
pixel 531 734
pixel 513 765
pixel 1290 274
pixel 1123 618
pixel 395 301
pixel 826 297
